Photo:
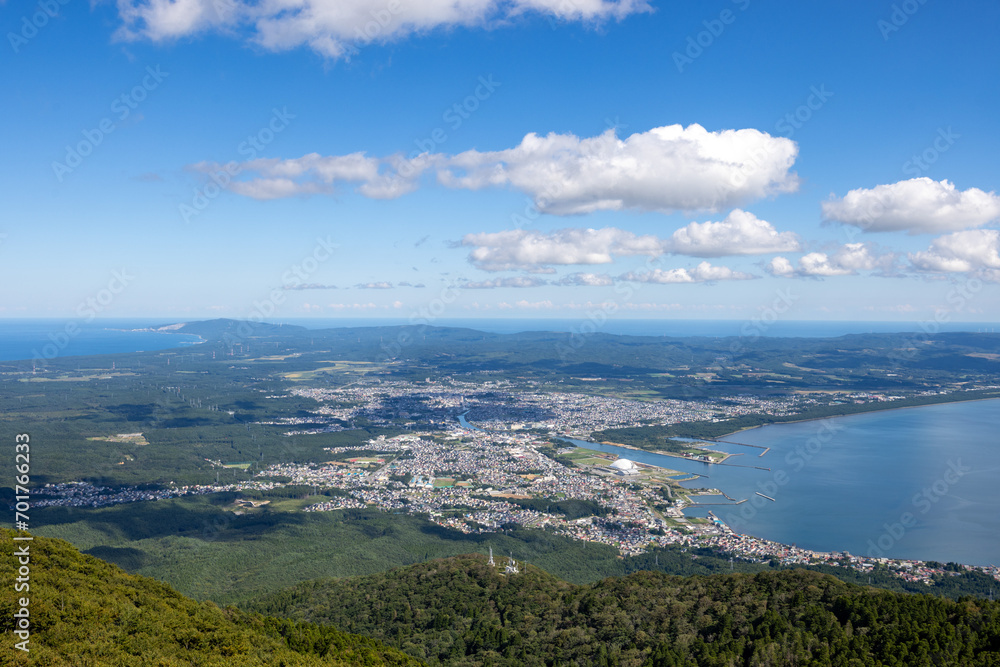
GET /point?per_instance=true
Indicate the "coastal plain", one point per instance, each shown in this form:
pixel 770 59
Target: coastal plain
pixel 415 442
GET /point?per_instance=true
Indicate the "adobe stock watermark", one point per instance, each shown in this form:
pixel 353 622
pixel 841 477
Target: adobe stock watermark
pixel 592 323
pixel 699 42
pixel 32 23
pixel 922 502
pixel 454 116
pixel 917 165
pixel 900 16
pixel 757 326
pixel 86 311
pixel 423 317
pixel 220 179
pixel 550 191
pixel 381 19
pixel 595 319
pixel 533 206
pixel 364 33
pixel 297 274
pixel 795 460
pixel 787 125
pixel 921 162
pixel 957 298
pixel 122 107
pixel 794 120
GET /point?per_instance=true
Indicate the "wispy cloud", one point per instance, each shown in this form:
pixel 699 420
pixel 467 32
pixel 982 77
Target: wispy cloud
pixel 309 286
pixel 337 28
pixel 517 281
pixel 703 273
pixel 584 279
pixel 530 250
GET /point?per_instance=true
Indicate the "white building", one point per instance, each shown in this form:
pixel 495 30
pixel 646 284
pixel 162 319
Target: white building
pixel 624 467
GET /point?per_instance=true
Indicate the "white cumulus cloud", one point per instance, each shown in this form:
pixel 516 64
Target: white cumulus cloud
pixel 666 169
pixel 527 249
pixel 961 252
pixel 919 205
pixel 669 168
pixel 740 233
pixel 848 260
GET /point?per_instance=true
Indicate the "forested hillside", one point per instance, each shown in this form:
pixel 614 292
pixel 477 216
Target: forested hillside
pixel 84 612
pixel 460 611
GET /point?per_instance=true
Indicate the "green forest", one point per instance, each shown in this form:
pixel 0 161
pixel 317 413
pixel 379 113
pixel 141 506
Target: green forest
pixel 461 611
pixel 87 613
pixel 209 553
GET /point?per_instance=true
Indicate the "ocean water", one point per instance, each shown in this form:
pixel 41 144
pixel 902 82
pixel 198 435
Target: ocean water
pixel 920 483
pixel 52 338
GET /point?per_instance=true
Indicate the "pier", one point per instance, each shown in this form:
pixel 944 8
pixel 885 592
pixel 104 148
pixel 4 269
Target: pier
pixel 737 465
pixel 741 444
pixel 738 502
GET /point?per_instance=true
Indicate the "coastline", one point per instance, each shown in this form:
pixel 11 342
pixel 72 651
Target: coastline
pixel 671 454
pixel 849 414
pixel 32 347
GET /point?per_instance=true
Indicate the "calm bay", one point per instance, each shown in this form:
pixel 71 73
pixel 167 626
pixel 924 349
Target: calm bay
pixel 918 483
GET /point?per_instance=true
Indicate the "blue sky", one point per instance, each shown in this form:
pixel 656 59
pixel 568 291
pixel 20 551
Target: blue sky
pixel 531 158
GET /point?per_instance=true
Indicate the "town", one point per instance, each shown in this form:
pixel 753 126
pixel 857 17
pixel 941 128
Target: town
pixel 508 467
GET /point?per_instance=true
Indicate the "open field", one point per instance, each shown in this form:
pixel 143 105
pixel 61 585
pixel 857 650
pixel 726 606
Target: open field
pixel 347 367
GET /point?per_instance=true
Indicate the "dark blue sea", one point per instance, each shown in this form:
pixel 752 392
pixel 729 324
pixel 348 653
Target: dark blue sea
pixel 58 338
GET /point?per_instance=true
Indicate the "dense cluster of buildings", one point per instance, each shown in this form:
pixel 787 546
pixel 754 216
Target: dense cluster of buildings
pixel 497 405
pixel 474 480
pixel 85 494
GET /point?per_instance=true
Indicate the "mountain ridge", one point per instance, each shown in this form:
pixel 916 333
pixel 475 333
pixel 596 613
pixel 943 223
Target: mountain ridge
pixel 460 611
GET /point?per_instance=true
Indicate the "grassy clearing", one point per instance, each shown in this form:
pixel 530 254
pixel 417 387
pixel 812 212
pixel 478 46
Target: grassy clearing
pixel 337 367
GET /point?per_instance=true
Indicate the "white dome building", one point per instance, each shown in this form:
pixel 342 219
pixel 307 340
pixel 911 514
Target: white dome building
pixel 624 467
